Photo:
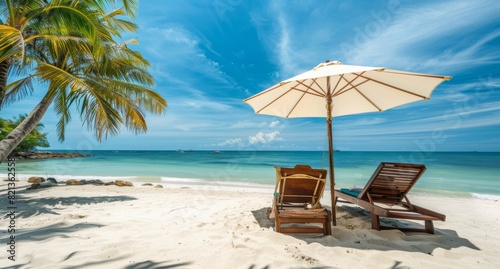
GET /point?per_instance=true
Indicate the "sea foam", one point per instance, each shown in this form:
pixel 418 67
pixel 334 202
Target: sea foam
pixel 486 196
pixel 25 177
pixel 198 181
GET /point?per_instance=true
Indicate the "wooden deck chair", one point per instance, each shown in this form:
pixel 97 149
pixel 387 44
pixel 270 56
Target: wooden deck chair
pixel 296 200
pixel 385 195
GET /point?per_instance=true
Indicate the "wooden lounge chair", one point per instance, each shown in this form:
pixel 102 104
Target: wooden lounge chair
pixel 296 200
pixel 385 195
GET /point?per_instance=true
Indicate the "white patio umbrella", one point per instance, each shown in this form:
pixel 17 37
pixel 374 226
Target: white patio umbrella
pixel 333 89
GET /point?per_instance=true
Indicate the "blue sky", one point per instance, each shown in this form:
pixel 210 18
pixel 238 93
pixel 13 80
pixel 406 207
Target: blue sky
pixel 207 56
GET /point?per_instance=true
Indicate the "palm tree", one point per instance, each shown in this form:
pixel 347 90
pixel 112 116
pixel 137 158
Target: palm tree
pixel 35 139
pixel 82 66
pixel 26 24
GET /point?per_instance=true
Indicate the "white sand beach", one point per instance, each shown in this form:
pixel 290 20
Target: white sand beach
pixel 227 227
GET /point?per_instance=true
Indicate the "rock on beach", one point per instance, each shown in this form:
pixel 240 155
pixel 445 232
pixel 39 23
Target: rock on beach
pixel 46 155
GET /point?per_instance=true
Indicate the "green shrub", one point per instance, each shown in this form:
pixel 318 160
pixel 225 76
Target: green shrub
pixel 34 140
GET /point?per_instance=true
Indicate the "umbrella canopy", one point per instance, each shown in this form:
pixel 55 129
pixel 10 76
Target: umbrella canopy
pixel 333 89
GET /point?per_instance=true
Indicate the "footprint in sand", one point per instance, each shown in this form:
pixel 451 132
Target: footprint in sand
pixel 299 256
pixel 76 216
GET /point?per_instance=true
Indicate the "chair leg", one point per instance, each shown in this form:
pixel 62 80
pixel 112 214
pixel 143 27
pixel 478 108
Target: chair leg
pixel 328 226
pixel 375 222
pixel 429 226
pixel 334 211
pixel 277 225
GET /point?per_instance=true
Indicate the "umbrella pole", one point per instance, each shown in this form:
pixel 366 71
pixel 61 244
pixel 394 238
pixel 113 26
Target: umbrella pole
pixel 330 157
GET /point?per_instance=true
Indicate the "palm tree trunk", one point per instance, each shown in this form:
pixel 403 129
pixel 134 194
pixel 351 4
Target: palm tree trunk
pixel 4 71
pixel 10 142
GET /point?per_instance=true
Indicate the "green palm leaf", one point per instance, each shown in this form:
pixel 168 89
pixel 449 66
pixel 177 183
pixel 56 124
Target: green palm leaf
pixel 11 43
pixel 70 46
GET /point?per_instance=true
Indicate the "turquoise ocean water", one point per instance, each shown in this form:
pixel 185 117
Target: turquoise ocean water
pixel 450 173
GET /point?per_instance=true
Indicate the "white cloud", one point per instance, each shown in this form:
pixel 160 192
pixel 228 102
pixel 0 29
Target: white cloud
pixel 425 25
pixel 206 104
pixel 177 34
pixel 196 67
pixel 274 124
pixel 187 127
pixel 264 137
pixel 367 121
pixel 463 116
pixel 295 45
pixel 467 109
pixel 273 136
pixel 482 86
pixel 472 55
pixel 247 124
pixel 230 142
pixel 284 47
pixel 178 50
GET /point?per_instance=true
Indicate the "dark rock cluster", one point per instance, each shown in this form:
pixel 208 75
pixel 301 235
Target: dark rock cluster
pixel 41 182
pixel 46 155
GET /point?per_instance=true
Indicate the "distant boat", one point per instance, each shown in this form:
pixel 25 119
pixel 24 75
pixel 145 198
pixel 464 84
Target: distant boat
pixel 215 152
pixel 180 151
pixel 190 150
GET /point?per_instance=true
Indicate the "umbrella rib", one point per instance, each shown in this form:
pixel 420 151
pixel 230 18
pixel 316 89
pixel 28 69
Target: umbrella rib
pixel 369 100
pixel 419 75
pixel 314 92
pixel 394 87
pixel 261 93
pixel 349 83
pixel 364 96
pixel 336 85
pixel 319 86
pixel 353 86
pixel 270 103
pixel 295 105
pixel 302 96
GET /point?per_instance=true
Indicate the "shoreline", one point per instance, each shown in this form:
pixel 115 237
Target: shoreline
pixel 463 174
pixel 227 227
pixel 242 184
pixel 268 188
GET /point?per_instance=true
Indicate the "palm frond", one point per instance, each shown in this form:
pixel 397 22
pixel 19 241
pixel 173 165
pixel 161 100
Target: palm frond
pixel 113 22
pixel 58 78
pixel 70 46
pixel 131 7
pixel 69 19
pixel 18 89
pixel 11 10
pixel 99 115
pixel 11 43
pixel 62 107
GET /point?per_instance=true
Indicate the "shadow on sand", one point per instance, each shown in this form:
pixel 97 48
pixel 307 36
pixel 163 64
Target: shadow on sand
pixel 140 265
pixel 28 205
pixel 33 206
pixel 353 230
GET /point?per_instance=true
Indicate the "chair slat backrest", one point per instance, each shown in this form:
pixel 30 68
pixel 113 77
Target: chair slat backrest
pixel 392 181
pixel 300 184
